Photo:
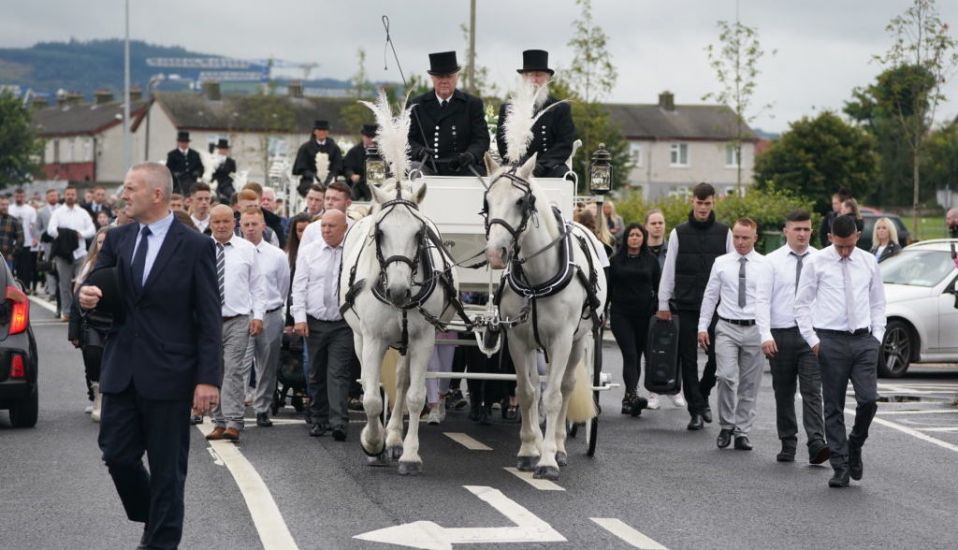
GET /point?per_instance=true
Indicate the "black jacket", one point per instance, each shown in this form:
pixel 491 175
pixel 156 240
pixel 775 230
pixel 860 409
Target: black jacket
pixel 448 131
pixel 65 244
pixel 186 169
pixel 633 282
pixel 224 180
pixel 699 244
pixel 305 165
pixel 103 208
pixel 354 163
pixel 552 137
pixel 890 250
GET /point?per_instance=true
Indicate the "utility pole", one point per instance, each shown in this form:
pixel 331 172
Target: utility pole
pixel 127 146
pixel 471 71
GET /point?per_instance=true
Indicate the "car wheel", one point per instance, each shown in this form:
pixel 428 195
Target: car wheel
pixel 894 356
pixel 24 413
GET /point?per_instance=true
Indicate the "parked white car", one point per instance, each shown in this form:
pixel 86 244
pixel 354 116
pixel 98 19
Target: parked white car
pixel 921 289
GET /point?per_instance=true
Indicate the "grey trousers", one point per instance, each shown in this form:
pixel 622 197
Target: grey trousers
pixel 795 361
pixel 265 352
pixel 738 371
pixel 331 351
pixel 230 409
pixel 844 357
pixel 66 271
pixel 51 280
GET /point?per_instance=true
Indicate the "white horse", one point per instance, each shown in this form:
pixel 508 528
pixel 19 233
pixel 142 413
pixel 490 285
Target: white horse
pixel 552 294
pixel 398 285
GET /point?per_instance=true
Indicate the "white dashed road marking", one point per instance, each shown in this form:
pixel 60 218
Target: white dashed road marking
pixel 541 484
pixel 628 534
pixel 929 411
pixel 52 308
pixel 467 441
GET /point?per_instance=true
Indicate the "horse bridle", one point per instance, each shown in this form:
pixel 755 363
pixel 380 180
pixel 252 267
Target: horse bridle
pixel 526 203
pixel 413 262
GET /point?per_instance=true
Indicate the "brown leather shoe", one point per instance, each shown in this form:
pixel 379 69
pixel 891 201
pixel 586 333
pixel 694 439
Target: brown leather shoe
pixel 216 434
pixel 231 434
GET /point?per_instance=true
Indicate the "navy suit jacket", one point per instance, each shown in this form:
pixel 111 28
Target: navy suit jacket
pixel 168 338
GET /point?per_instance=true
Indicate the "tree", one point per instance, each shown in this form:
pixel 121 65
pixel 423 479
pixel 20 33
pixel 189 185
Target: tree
pixel 355 114
pixel 922 41
pixel 940 158
pixel 818 155
pixel 480 83
pixel 735 61
pixel 592 74
pixel 19 147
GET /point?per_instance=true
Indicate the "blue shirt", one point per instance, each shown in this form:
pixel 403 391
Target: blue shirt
pixel 158 231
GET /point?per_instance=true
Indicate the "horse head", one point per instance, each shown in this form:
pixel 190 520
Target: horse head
pixel 508 206
pixel 400 236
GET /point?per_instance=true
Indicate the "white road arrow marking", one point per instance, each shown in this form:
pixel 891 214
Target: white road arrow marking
pixel 632 537
pixel 431 536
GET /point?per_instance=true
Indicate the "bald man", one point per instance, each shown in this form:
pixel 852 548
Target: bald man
pixel 951 220
pixel 315 310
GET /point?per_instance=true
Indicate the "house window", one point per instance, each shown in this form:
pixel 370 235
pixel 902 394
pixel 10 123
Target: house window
pixel 679 154
pixel 731 156
pixel 635 154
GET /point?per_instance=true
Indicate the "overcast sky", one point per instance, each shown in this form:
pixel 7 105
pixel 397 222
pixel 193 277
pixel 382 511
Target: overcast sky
pixel 823 47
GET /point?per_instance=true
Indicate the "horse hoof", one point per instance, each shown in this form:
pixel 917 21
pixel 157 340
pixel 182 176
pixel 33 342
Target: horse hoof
pixel 372 454
pixel 562 459
pixel 546 472
pixel 394 453
pixel 527 463
pixel 410 468
pixel 380 461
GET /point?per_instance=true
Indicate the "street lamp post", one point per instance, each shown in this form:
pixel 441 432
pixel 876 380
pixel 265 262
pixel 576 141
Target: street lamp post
pixel 375 167
pixel 600 178
pixel 127 141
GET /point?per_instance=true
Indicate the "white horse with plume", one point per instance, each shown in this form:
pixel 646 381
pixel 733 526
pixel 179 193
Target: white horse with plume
pixel 397 286
pixel 552 293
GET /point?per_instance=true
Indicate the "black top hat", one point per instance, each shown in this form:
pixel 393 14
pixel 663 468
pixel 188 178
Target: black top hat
pixel 321 125
pixel 443 63
pixel 535 60
pixel 369 130
pixel 107 279
pixel 222 144
pixel 182 135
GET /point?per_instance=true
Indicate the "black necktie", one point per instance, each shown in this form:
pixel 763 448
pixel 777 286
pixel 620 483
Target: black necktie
pixel 139 259
pixel 442 105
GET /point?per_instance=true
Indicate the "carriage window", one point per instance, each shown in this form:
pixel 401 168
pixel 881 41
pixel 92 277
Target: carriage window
pixel 924 268
pixel 679 154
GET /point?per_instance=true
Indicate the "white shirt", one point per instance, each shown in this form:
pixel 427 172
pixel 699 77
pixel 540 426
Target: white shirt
pixel 667 282
pixel 314 231
pixel 158 230
pixel 315 283
pixel 245 287
pixel 28 218
pixel 776 296
pixel 723 285
pixel 74 218
pixel 274 265
pixel 201 225
pixel 820 302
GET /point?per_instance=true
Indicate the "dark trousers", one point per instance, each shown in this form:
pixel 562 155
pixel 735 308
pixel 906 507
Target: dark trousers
pixel 92 357
pixel 793 363
pixel 696 391
pixel 631 330
pixel 131 425
pixel 487 392
pixel 843 358
pixel 26 266
pixel 331 354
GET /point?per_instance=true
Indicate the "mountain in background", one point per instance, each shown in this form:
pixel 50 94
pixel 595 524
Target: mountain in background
pixel 86 66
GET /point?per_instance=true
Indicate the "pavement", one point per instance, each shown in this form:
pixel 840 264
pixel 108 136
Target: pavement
pixel 651 484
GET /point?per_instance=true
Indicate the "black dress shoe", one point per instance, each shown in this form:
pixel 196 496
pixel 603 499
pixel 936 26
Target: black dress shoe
pixel 318 430
pixel 787 454
pixel 695 423
pixel 742 443
pixel 339 433
pixel 840 479
pixel 196 419
pixel 263 421
pixel 724 438
pixel 818 453
pixel 855 466
pixel 707 415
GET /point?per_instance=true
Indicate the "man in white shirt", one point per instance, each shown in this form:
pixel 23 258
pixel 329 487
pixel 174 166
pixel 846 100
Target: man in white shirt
pixel 840 309
pixel 200 199
pixel 243 297
pixel 264 347
pixel 738 346
pixel 337 197
pixel 789 355
pixel 74 218
pixel 26 260
pixel 43 220
pixel 315 310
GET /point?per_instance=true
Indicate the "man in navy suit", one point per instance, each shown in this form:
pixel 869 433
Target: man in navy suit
pixel 162 354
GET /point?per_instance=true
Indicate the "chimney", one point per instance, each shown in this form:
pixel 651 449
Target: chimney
pixel 103 95
pixel 136 94
pixel 295 88
pixel 211 89
pixel 73 98
pixel 39 102
pixel 667 101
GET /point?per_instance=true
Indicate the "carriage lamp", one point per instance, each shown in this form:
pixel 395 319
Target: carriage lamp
pixel 600 171
pixel 375 167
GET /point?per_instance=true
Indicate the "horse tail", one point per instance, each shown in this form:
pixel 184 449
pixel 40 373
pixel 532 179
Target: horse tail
pixel 387 375
pixel 581 404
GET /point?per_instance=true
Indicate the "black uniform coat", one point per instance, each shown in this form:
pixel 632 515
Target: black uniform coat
pixel 224 180
pixel 552 139
pixel 354 163
pixel 186 169
pixel 457 128
pixel 305 165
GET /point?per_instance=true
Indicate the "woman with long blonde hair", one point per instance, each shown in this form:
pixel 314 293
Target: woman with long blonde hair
pixel 884 240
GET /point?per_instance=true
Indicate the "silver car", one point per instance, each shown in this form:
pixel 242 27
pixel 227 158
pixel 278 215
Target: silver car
pixel 922 296
pixel 18 353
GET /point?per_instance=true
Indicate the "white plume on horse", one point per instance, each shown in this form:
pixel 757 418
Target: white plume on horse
pixel 210 164
pixel 322 166
pixel 521 116
pixel 392 137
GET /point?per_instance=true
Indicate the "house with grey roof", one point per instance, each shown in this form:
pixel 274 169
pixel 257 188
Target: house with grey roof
pixel 673 147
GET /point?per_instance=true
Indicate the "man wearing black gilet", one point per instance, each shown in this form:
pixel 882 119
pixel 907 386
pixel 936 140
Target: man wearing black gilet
pixel 693 247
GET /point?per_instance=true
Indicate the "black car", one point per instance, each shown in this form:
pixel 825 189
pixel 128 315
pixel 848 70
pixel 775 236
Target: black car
pixel 865 242
pixel 18 353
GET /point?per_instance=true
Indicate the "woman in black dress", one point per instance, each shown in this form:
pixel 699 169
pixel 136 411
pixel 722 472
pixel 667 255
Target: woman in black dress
pixel 633 280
